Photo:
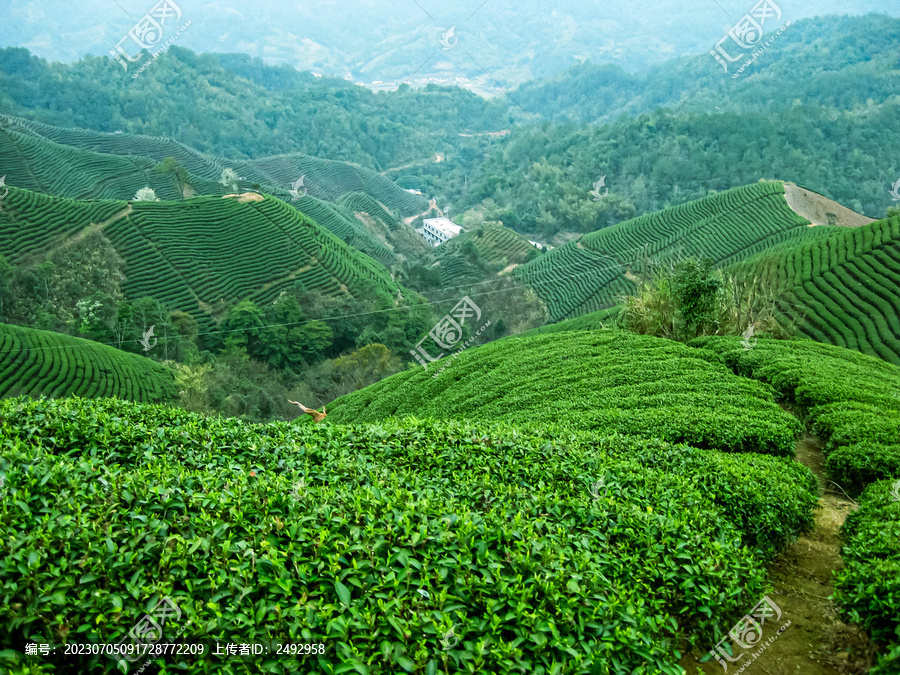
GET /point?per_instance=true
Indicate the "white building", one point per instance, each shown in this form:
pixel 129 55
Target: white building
pixel 438 230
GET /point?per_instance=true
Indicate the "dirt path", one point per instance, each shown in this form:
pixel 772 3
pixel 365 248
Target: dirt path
pixel 816 642
pixel 432 205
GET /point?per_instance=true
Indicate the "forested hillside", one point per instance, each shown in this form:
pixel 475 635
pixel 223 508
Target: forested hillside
pixel 241 108
pixel 826 61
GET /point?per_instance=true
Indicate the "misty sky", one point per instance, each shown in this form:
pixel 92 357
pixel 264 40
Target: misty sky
pixel 511 40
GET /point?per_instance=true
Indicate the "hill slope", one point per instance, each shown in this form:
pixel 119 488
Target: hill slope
pixel 199 254
pixel 848 285
pixel 448 520
pixel 589 274
pixel 82 164
pixel 41 363
pixel 607 381
pixel 823 61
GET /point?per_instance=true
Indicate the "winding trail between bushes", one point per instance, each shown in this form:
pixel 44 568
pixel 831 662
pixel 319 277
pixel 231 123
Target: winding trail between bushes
pixel 816 642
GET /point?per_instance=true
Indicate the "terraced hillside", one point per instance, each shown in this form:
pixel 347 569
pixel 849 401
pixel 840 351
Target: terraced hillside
pixel 589 274
pixel 197 254
pixel 848 285
pixel 497 246
pixel 84 164
pixel 41 363
pixel 607 381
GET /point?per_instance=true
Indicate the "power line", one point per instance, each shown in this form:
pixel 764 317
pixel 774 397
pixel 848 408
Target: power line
pixel 550 277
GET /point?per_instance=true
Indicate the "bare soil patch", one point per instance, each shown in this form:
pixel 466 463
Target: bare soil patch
pixel 819 210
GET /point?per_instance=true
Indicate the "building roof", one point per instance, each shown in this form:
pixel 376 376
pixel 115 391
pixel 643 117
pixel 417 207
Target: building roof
pixel 443 225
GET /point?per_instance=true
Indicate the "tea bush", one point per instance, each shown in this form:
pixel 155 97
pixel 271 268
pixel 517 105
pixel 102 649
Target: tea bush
pixel 867 589
pixel 609 381
pixel 42 363
pixel 847 398
pixel 850 401
pixel 326 533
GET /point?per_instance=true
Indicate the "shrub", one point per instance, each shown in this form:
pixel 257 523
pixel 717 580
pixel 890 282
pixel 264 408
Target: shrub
pixel 327 533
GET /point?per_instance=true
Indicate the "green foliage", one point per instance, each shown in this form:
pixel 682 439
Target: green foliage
pixel 539 180
pixel 57 292
pixel 846 284
pixel 849 400
pixel 867 589
pixel 608 381
pixel 41 363
pixel 326 533
pixel 593 272
pixel 271 246
pixel 846 398
pixel 695 290
pixel 684 300
pixel 238 116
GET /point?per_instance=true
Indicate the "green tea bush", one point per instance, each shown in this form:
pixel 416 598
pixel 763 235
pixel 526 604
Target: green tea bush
pixel 42 363
pixel 849 400
pixel 846 398
pixel 867 589
pixel 846 283
pixel 608 381
pixel 327 533
pixel 863 463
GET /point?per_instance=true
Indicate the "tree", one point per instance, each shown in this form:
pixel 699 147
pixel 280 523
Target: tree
pixel 145 194
pixel 179 174
pixel 229 179
pixel 7 274
pixel 242 326
pixel 185 327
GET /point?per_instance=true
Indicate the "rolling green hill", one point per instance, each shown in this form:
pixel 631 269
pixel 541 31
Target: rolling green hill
pixel 41 363
pixel 591 273
pixel 609 381
pixel 200 254
pixel 82 164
